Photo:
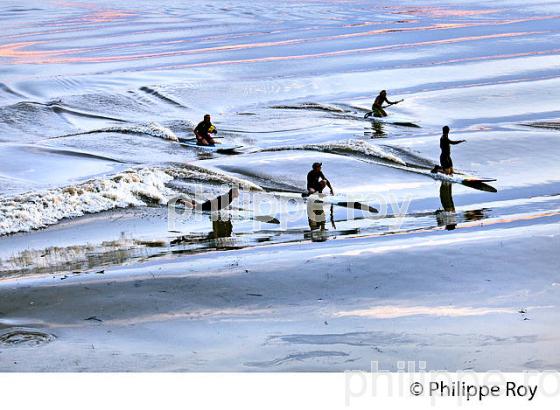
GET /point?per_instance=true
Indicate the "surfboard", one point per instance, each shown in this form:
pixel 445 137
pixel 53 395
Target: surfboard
pixel 471 181
pixel 220 148
pixel 339 200
pixel 234 214
pixel 385 120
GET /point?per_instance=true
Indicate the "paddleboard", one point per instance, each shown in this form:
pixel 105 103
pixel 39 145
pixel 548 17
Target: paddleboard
pixel 338 200
pixel 231 214
pixel 471 181
pixel 392 120
pixel 399 123
pixel 221 148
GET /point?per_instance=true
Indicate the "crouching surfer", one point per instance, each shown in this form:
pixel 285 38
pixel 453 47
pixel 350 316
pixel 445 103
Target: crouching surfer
pixel 203 132
pixel 316 180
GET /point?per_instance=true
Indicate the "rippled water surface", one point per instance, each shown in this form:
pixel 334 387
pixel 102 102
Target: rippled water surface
pixel 94 97
pixel 93 89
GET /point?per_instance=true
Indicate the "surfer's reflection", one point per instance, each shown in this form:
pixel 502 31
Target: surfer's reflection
pixel 220 228
pixel 447 216
pixel 377 130
pixel 316 217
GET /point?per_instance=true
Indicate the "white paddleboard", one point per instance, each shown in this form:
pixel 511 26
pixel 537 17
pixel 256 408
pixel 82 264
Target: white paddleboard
pixel 338 200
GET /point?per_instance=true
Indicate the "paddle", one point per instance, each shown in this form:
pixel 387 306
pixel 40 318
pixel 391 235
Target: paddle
pixel 369 114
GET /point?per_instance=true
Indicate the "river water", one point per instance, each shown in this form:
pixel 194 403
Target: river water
pixel 95 95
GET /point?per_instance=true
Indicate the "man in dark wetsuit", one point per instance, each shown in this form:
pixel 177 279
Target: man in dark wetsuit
pixel 203 131
pixel 445 156
pixel 316 180
pixel 377 107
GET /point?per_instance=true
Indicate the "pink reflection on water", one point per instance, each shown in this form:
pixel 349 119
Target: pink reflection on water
pixel 16 52
pixel 20 54
pixel 359 50
pixel 439 12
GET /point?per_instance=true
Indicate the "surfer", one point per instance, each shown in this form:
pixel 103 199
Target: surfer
pixel 203 131
pixel 316 180
pixel 446 165
pixel 377 106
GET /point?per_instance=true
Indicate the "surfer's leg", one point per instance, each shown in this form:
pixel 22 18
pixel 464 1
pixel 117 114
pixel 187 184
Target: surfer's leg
pixel 378 112
pixel 199 139
pixel 446 164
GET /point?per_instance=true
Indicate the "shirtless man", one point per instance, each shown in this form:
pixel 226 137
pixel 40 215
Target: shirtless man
pixel 377 107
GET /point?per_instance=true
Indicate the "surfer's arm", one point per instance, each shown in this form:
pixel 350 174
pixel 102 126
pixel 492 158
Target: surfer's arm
pixel 327 182
pixel 456 142
pixel 393 102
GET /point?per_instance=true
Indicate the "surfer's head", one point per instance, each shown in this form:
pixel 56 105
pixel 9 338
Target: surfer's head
pixel 383 92
pixel 317 166
pixel 207 118
pixel 445 130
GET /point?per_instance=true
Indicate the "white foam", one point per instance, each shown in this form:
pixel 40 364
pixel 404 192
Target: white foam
pixel 135 187
pixel 37 210
pixel 152 128
pixel 196 172
pixel 360 146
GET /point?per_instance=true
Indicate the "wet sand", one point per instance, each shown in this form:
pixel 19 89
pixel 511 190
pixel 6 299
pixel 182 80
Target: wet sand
pixel 475 298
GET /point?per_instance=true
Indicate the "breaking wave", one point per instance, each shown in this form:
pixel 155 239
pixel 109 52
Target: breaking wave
pixel 198 173
pixel 153 128
pixel 135 187
pixel 355 147
pixel 30 211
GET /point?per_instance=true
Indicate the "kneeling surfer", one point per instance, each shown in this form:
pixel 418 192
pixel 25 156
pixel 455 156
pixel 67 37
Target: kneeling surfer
pixel 203 131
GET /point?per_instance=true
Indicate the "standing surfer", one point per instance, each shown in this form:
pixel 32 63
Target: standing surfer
pixel 445 156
